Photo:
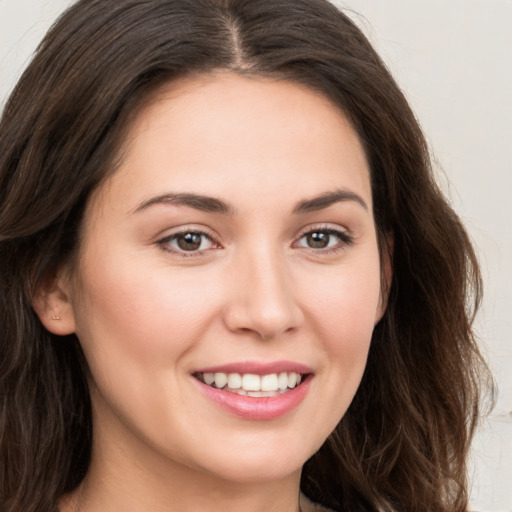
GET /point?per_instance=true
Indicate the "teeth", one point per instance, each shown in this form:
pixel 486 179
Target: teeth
pixel 234 381
pixel 252 384
pixel 292 380
pixel 269 382
pixel 257 394
pixel 209 378
pixel 221 379
pixel 282 380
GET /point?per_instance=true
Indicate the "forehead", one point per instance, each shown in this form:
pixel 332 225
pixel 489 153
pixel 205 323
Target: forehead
pixel 210 130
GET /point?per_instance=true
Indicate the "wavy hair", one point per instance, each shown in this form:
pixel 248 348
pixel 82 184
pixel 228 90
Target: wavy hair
pixel 402 444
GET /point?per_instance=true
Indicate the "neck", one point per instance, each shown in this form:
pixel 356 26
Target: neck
pixel 118 480
pixel 110 496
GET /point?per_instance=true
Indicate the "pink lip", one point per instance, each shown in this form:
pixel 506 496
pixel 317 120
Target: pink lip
pixel 256 408
pixel 257 368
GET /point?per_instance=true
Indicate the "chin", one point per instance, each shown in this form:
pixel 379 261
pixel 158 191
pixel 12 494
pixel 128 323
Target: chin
pixel 255 466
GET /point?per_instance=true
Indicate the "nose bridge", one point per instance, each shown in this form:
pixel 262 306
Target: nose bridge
pixel 264 301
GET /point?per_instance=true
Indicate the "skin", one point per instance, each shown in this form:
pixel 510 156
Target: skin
pixel 148 314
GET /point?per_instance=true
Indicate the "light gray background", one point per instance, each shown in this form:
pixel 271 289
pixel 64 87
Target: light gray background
pixel 453 58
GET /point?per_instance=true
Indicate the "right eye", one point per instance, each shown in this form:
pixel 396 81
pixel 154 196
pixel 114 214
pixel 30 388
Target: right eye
pixel 187 243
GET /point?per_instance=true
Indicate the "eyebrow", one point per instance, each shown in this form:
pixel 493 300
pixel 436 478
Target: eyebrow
pixel 196 201
pixel 325 200
pixel 215 205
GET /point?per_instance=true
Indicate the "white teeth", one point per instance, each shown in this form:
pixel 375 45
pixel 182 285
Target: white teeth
pixel 221 379
pixel 282 380
pixel 234 381
pixel 209 378
pixel 269 382
pixel 252 384
pixel 257 394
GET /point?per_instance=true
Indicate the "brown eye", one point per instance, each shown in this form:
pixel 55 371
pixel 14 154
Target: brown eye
pixel 324 239
pixel 187 242
pixel 318 239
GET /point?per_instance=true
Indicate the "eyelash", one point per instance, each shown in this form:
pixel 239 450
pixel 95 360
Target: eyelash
pixel 164 243
pixel 344 240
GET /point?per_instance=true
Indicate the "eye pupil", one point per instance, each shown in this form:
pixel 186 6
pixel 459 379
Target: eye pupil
pixel 317 240
pixel 189 241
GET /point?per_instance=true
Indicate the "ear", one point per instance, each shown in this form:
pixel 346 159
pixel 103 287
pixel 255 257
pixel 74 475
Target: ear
pixel 52 303
pixel 386 275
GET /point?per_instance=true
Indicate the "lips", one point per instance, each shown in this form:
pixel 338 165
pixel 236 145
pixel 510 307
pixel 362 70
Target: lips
pixel 256 391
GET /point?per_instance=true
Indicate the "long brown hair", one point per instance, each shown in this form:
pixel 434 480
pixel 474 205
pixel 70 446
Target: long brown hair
pixel 402 445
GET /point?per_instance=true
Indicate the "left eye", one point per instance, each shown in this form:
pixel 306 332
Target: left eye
pixel 189 241
pixel 323 239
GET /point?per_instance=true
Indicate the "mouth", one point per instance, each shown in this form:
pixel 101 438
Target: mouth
pixel 251 384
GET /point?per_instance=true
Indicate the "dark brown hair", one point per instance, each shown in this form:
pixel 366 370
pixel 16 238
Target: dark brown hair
pixel 403 443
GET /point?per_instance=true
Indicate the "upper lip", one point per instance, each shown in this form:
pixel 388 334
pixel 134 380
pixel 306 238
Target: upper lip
pixel 257 368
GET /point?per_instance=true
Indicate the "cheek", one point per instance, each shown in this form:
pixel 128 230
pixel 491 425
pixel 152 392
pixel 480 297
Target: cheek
pixel 347 303
pixel 137 326
pixel 343 315
pixel 135 313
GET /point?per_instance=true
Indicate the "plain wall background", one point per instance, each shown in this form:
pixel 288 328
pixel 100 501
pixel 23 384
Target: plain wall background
pixel 453 58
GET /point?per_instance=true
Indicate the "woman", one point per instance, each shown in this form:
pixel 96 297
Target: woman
pixel 227 274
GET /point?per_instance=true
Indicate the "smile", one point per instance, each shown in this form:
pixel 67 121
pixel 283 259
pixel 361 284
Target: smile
pixel 250 384
pixel 255 391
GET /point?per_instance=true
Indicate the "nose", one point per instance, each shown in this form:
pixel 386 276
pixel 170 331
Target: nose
pixel 263 299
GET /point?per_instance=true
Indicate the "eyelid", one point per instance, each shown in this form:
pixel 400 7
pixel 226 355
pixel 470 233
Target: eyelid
pixel 346 239
pixel 163 241
pixel 344 236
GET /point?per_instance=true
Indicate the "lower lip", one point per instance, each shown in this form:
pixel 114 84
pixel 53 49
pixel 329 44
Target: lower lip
pixel 257 408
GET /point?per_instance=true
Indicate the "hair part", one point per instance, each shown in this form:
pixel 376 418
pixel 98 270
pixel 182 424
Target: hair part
pixel 403 443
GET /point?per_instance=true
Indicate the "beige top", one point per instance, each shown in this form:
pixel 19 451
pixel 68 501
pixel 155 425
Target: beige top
pixel 307 505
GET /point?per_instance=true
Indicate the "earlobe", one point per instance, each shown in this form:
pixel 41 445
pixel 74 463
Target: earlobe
pixel 52 304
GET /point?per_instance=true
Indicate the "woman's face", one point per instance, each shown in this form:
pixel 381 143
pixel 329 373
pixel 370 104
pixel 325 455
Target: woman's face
pixel 235 243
